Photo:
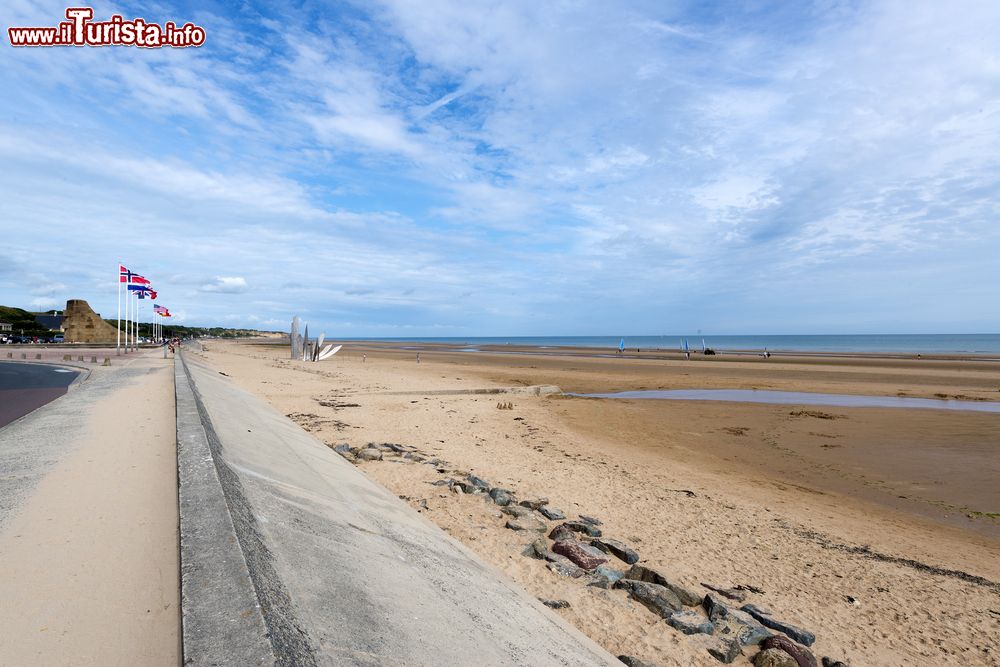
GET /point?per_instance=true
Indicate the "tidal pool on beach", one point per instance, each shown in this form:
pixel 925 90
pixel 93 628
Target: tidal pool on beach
pixel 801 398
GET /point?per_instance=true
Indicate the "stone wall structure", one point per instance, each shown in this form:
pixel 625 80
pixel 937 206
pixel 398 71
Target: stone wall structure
pixel 83 325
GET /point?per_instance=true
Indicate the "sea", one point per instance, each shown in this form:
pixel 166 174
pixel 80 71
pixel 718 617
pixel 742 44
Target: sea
pixel 963 344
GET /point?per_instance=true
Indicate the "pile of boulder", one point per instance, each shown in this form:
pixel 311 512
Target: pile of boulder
pixel 578 549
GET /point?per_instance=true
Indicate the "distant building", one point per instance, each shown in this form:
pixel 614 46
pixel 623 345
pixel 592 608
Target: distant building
pixel 5 326
pixel 50 322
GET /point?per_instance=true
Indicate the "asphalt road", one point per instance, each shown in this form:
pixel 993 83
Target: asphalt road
pixel 26 387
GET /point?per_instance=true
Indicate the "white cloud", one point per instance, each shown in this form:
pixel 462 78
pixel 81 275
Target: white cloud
pixel 226 285
pixel 46 303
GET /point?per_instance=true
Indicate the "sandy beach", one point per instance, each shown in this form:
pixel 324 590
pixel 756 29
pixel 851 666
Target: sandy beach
pixel 875 528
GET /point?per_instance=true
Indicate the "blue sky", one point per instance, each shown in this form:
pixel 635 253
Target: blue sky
pixel 504 168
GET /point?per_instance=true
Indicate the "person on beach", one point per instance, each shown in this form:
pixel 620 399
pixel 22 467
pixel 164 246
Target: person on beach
pixel 418 357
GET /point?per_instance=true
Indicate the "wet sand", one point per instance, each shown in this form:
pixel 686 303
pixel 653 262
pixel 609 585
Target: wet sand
pixel 803 503
pixel 939 465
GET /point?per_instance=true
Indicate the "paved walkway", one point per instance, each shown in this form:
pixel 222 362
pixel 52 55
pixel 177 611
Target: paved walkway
pixel 88 524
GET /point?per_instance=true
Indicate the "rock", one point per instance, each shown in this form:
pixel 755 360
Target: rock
pixel 643 573
pixel 714 607
pixel 734 623
pixel 390 446
pixel 553 557
pixel 551 513
pixel 590 520
pixel 443 482
pixel 561 532
pixel 566 568
pixel 518 511
pixel 501 497
pixel 525 523
pixel 606 577
pixel 469 487
pixel 617 549
pixel 774 657
pixel 581 527
pixel 583 555
pixel 347 452
pixel 633 662
pixel 370 454
pixel 658 599
pixel 803 657
pixel 537 549
pixel 555 604
pixel 725 650
pixel 731 593
pixel 830 662
pixel 533 504
pixel 690 623
pixel 478 482
pixel 800 635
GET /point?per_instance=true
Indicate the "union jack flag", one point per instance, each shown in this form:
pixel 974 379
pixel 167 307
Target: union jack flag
pixel 143 291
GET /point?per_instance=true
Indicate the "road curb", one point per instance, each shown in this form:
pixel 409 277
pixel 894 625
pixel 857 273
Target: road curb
pixel 221 619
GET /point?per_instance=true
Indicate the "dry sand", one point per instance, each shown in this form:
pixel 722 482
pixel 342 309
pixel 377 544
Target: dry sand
pixel 805 507
pixel 89 562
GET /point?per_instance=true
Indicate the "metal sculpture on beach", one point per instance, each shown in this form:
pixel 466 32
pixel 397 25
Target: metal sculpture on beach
pixel 306 350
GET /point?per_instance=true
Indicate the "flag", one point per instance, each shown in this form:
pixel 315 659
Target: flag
pixel 159 309
pixel 143 291
pixel 126 276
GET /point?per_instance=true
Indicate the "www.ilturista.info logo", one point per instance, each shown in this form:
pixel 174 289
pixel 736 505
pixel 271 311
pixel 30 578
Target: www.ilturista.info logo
pixel 80 30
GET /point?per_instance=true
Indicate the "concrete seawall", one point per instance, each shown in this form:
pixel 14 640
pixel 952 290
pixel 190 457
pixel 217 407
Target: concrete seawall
pixel 291 556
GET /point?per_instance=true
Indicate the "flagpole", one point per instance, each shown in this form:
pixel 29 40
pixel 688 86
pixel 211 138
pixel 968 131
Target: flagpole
pixel 126 322
pixel 118 340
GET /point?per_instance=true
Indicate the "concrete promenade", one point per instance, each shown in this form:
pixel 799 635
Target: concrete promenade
pixel 275 551
pixel 88 523
pixel 344 572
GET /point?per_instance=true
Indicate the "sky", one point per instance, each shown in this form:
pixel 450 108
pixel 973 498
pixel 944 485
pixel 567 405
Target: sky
pixel 450 168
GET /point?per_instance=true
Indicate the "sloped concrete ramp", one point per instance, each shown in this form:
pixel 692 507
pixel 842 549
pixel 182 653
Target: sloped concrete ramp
pixel 294 539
